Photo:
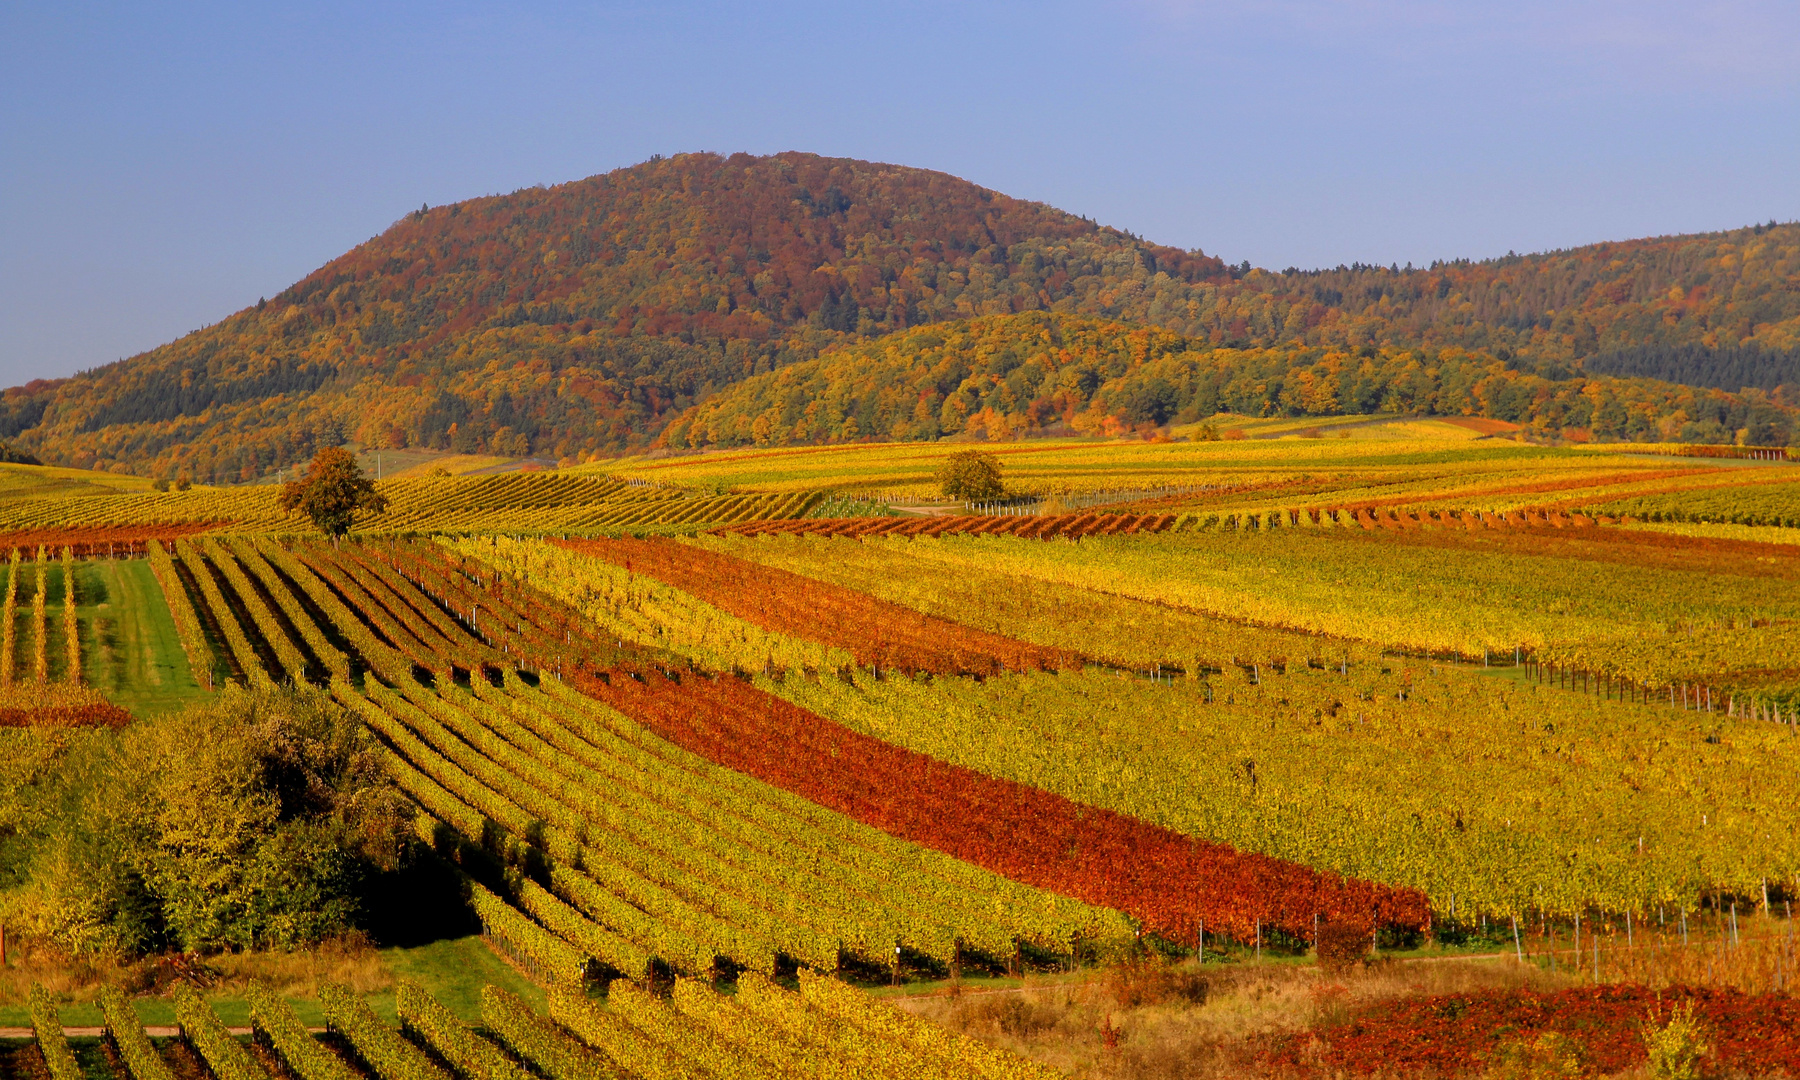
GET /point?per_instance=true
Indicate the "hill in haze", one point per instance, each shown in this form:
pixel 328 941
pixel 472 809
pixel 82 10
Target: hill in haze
pixel 586 317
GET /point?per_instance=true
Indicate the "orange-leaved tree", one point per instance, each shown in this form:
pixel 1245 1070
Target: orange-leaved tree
pixel 333 491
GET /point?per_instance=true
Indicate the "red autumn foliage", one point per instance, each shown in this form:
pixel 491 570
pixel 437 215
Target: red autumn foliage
pixel 876 632
pixel 1461 1034
pixel 1169 881
pixel 120 540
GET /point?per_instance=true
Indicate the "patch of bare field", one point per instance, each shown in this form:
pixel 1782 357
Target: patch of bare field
pixel 1149 1021
pixel 297 974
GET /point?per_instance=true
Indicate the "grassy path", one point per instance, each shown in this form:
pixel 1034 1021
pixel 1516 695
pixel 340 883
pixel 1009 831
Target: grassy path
pixel 131 651
pixel 452 970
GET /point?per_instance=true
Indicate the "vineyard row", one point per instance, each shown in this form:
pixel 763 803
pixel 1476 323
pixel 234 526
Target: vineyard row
pixel 1076 526
pixel 763 1032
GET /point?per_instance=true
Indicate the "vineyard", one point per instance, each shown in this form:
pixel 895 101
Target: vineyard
pixel 1171 884
pixel 877 634
pixel 664 741
pixel 1124 523
pixel 656 858
pixel 508 502
pixel 1439 819
pixel 822 1029
pixel 1464 593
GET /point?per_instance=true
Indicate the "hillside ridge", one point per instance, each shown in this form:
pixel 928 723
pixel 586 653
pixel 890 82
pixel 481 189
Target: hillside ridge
pixel 582 319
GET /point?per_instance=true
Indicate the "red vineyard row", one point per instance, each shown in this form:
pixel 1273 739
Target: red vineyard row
pixel 1472 520
pixel 1033 527
pixel 110 540
pixel 1172 883
pixel 876 632
pixel 97 714
pixel 1465 1034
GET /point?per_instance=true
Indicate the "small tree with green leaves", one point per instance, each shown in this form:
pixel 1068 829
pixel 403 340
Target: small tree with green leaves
pixel 971 474
pixel 333 491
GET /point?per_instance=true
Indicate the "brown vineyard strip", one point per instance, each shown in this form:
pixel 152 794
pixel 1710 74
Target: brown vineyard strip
pixel 97 715
pixel 58 705
pixel 1173 883
pixel 120 540
pixel 876 632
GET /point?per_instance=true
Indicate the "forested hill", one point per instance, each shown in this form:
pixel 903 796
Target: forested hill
pixel 578 317
pixel 584 317
pixel 1035 373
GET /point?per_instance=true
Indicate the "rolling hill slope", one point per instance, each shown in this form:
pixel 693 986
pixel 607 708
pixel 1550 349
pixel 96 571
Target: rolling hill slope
pixel 1047 373
pixel 585 317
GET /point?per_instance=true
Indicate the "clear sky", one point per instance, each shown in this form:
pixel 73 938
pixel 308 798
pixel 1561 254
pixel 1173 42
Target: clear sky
pixel 162 166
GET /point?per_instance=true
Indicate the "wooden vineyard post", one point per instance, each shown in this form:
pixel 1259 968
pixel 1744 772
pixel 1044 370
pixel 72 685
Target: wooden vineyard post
pixel 1200 942
pixel 1518 949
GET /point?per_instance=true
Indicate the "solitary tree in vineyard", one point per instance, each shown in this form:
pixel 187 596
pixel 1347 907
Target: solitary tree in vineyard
pixel 332 492
pixel 971 474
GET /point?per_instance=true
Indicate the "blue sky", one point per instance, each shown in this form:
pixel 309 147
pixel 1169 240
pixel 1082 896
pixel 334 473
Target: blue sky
pixel 161 167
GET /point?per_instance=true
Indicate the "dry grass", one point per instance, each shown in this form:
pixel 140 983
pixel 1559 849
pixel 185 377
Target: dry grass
pixel 1191 1022
pixel 1759 960
pixel 350 962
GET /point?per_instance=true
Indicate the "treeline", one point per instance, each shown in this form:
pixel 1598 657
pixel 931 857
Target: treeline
pixel 1727 367
pixel 1007 376
pixel 583 318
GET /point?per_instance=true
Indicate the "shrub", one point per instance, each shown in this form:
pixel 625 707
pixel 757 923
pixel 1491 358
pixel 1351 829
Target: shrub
pixel 259 819
pixel 1341 945
pixel 1678 1048
pixel 1550 1056
pixel 1152 981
